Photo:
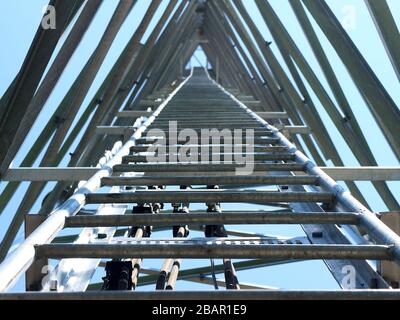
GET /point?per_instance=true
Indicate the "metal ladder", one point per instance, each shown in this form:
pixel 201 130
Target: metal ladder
pixel 339 230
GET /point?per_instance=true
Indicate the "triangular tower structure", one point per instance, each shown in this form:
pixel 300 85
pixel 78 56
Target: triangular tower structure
pixel 177 149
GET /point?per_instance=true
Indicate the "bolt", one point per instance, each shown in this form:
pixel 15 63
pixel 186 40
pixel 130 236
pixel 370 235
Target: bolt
pixel 317 234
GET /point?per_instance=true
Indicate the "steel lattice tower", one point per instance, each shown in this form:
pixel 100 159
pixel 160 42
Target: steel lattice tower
pixel 121 199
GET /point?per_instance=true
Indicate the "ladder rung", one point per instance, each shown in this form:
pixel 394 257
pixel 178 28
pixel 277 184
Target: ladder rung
pixel 222 157
pixel 252 103
pixel 179 112
pixel 273 115
pixel 296 130
pixel 243 217
pixel 216 119
pixel 148 102
pixel 115 130
pixel 259 167
pixel 145 148
pixel 133 114
pixel 243 127
pixel 213 117
pixel 256 140
pixel 190 122
pixel 210 180
pixel 202 251
pixel 182 116
pixel 257 133
pixel 257 130
pixel 207 196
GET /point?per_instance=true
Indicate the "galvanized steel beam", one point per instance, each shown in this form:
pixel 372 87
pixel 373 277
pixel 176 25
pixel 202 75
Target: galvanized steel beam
pixel 380 103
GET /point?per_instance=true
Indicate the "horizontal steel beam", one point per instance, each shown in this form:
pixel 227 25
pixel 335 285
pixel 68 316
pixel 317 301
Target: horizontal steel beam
pixel 145 147
pixel 261 197
pixel 209 180
pixel 149 103
pixel 49 174
pixel 115 130
pixel 258 131
pixel 296 130
pixel 363 173
pixel 205 167
pixel 137 114
pixel 223 157
pixel 79 174
pixel 207 251
pixel 193 121
pixel 210 219
pixel 83 174
pixel 210 126
pixel 133 114
pixel 202 124
pixel 154 139
pixel 222 113
pixel 273 115
pixel 227 295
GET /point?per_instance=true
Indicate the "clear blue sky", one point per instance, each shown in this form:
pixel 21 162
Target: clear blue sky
pixel 19 23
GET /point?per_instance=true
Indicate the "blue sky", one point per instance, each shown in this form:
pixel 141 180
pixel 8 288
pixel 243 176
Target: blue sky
pixel 18 27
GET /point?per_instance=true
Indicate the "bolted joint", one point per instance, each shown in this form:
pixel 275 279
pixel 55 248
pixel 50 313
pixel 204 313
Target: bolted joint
pixel 215 231
pixel 213 207
pixel 177 230
pixel 118 276
pixel 142 209
pixel 58 121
